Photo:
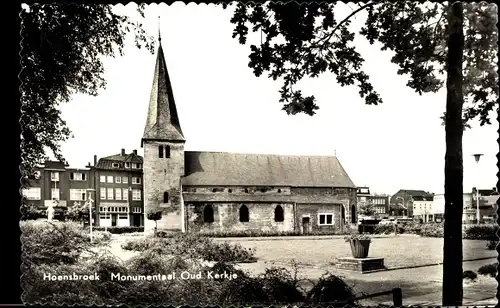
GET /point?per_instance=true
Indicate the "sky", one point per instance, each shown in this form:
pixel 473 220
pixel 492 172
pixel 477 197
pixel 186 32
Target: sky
pixel 223 107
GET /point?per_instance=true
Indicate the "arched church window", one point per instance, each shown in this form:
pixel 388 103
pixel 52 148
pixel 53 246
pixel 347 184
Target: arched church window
pixel 244 217
pixel 160 151
pixel 208 213
pixel 167 151
pixel 278 214
pixel 165 197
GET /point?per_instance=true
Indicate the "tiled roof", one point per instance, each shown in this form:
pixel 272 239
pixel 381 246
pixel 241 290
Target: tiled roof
pixel 107 162
pixel 422 198
pixel 216 168
pixel 55 165
pixel 195 197
pixel 415 193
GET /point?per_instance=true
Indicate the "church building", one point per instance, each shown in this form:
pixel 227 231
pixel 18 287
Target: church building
pixel 220 192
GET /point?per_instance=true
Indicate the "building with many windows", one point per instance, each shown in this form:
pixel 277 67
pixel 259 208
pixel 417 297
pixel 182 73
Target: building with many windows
pixel 113 182
pixel 57 184
pixel 379 203
pixel 118 182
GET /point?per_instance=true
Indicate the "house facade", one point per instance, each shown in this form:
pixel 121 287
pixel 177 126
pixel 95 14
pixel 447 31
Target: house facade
pixel 58 185
pixel 114 183
pixel 424 209
pixel 200 191
pixel 379 204
pixel 401 203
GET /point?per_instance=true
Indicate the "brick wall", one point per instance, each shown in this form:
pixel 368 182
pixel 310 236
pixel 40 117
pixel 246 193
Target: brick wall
pixel 312 212
pixel 163 175
pixel 226 217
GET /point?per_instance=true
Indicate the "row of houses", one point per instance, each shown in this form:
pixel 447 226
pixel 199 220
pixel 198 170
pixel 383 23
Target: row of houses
pixel 113 182
pixel 429 207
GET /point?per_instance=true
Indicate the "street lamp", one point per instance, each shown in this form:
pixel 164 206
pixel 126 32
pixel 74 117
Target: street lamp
pixel 90 201
pixel 477 157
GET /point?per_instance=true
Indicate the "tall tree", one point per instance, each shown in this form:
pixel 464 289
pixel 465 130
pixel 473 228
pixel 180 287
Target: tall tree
pixel 62 50
pixel 428 40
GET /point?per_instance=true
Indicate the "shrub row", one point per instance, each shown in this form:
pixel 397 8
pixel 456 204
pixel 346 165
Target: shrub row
pixel 276 286
pixel 477 232
pixel 120 230
pixel 192 246
pixel 271 233
pixel 489 269
pixel 59 249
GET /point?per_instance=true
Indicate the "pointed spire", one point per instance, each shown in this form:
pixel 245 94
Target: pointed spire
pixel 162 120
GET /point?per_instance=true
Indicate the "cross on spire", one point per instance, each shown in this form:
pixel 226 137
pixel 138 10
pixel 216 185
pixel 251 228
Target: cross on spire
pixel 159 32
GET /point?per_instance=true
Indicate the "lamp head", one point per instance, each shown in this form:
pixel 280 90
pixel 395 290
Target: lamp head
pixel 477 157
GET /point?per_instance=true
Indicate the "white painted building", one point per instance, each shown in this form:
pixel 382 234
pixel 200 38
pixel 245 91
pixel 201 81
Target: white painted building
pixel 469 209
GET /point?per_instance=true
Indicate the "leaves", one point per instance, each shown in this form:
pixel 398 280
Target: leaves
pixel 300 41
pixel 62 50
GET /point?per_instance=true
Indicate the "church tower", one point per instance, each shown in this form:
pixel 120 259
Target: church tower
pixel 163 144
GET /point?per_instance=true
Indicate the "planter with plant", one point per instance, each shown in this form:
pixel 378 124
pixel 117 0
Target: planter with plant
pixel 360 244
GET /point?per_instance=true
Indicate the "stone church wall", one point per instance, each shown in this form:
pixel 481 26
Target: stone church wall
pixel 255 190
pixel 226 217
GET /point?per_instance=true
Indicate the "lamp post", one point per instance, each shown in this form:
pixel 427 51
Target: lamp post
pixel 477 157
pixel 90 201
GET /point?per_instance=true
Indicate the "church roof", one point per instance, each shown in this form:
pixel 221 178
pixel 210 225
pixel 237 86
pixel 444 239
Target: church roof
pixel 162 120
pixel 216 168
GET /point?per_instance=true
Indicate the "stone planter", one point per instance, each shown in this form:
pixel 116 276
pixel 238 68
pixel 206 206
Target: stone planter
pixel 360 248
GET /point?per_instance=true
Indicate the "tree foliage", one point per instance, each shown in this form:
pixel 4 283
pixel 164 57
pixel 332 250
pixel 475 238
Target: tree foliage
pixel 62 50
pixel 427 40
pixel 79 211
pixel 366 209
pixel 300 41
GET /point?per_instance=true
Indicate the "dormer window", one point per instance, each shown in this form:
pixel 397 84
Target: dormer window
pixel 127 165
pixel 116 165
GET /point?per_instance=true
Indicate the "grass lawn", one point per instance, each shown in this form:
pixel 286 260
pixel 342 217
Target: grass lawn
pixel 397 251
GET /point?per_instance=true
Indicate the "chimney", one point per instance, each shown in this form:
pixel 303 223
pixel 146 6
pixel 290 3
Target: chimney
pixel 95 160
pixel 135 152
pixel 123 152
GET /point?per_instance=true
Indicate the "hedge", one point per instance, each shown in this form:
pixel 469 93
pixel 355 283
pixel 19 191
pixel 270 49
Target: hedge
pixel 477 232
pixel 119 230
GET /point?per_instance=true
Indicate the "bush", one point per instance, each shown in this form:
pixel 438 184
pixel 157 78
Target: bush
pixel 192 246
pixel 491 245
pixel 53 242
pixel 31 212
pixel 469 275
pixel 490 269
pixel 331 288
pixel 100 238
pixel 432 230
pixel 481 232
pixel 120 230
